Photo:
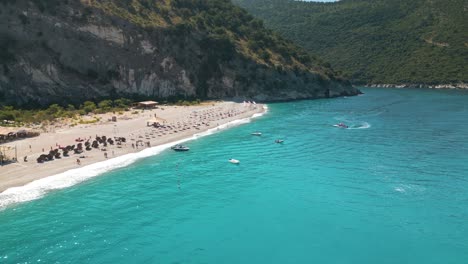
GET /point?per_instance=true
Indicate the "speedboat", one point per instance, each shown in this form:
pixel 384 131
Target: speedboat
pixel 279 141
pixel 256 133
pixel 234 161
pixel 341 125
pixel 179 147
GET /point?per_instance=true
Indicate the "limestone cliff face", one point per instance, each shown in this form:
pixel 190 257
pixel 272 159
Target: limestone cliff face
pixel 78 52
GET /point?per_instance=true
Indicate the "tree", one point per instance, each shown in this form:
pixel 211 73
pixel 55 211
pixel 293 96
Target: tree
pixel 122 103
pixel 89 107
pixel 105 105
pixel 54 110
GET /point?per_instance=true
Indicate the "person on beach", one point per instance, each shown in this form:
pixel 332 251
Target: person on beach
pixel 78 162
pixel 105 155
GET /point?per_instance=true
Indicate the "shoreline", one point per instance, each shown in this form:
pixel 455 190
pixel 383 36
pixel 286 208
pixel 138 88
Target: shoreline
pixel 458 86
pixel 65 172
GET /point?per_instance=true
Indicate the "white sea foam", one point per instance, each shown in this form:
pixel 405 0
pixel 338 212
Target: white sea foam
pixel 360 125
pixel 39 188
pixel 399 189
pixel 353 124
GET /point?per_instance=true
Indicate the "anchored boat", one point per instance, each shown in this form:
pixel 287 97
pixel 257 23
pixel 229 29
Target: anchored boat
pixel 180 147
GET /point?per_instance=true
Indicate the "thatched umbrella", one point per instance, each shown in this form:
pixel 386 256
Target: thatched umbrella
pixel 41 158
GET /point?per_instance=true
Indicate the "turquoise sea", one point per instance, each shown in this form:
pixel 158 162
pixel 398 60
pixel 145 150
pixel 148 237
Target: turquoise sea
pixel 391 189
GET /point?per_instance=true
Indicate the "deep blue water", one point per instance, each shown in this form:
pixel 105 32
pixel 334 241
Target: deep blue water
pixel 392 189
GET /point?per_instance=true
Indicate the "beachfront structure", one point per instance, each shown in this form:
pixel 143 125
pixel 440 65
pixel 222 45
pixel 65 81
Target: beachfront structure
pixel 8 154
pixel 147 104
pixel 10 134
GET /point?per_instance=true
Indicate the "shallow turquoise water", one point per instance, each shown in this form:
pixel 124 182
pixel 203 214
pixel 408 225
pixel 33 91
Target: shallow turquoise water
pixel 393 189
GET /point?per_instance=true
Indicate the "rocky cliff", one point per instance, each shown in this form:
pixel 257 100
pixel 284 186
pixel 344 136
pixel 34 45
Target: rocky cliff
pixel 70 51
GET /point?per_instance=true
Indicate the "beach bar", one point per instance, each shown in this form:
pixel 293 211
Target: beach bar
pixel 147 104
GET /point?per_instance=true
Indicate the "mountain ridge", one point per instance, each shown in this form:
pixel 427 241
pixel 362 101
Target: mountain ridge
pixel 417 42
pixel 70 51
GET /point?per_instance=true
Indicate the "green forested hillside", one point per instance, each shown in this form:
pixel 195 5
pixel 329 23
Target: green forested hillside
pixel 226 26
pixel 54 51
pixel 378 41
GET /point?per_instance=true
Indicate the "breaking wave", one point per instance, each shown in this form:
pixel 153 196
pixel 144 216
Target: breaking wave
pixel 39 188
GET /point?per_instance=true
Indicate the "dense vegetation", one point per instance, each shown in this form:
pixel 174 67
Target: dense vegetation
pixel 68 52
pixel 226 29
pixel 10 116
pixel 377 41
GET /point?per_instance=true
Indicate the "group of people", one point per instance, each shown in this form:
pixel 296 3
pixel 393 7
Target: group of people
pixel 196 120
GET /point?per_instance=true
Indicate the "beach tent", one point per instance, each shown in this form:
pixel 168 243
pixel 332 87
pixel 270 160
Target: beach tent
pixel 22 133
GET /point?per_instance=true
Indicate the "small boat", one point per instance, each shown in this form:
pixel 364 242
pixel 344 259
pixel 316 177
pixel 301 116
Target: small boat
pixel 256 134
pixel 341 125
pixel 234 161
pixel 279 141
pixel 179 147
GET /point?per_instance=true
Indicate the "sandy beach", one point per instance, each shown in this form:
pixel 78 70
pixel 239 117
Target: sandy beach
pixel 177 122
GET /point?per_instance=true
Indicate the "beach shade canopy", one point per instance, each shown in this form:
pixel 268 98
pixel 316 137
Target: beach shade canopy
pixel 5 131
pixel 147 104
pixel 156 120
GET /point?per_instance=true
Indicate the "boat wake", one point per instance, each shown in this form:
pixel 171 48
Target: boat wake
pixel 361 125
pixel 41 187
pixel 353 124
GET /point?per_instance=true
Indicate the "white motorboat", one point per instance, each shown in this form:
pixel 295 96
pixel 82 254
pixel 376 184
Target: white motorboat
pixel 179 147
pixel 256 133
pixel 234 161
pixel 341 125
